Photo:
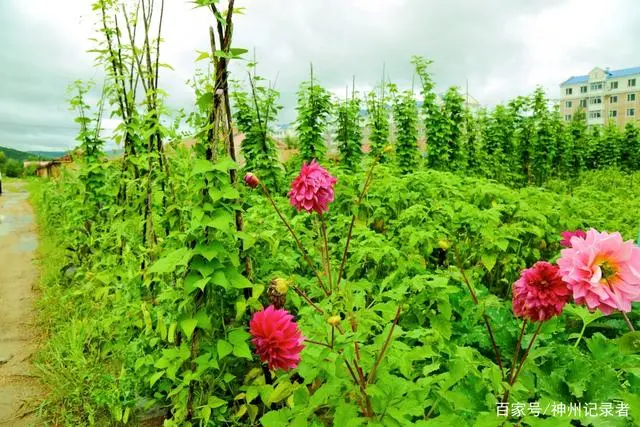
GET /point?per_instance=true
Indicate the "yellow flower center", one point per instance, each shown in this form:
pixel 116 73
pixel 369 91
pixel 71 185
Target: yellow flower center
pixel 608 272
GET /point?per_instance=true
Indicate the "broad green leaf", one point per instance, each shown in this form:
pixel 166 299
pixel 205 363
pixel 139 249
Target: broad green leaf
pixel 215 402
pixel 489 260
pixel 188 326
pixel 155 377
pixel 282 391
pixel 236 279
pixel 629 343
pixel 169 262
pixel 224 349
pixel 201 166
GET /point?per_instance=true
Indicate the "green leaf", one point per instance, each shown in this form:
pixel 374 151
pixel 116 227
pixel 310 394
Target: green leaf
pixel 215 402
pixel 282 391
pixel 276 418
pixel 169 262
pixel 224 349
pixel 222 220
pixel 237 51
pixel 188 326
pixel 219 278
pixel 236 279
pixel 209 250
pixel 201 166
pixel 202 55
pixel 155 377
pixel 242 350
pixel 238 336
pixel 204 320
pixel 629 343
pixel 489 260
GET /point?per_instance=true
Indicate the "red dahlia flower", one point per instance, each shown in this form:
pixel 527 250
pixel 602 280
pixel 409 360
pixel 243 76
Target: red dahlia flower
pixel 277 338
pixel 312 190
pixel 540 293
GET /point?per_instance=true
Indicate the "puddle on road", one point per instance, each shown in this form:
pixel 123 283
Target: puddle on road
pixel 11 223
pixel 27 243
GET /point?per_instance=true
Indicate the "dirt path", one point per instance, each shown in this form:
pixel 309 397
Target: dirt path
pixel 19 388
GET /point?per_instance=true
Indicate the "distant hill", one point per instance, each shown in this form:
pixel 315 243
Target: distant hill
pixel 31 155
pixel 17 155
pixel 48 154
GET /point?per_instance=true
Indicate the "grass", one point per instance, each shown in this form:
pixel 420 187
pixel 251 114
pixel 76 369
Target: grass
pixel 67 363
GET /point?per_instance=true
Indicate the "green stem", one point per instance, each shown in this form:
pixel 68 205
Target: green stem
pixel 484 315
pixel 326 251
pixel 295 237
pixel 367 181
pixel 517 351
pixel 372 374
pixel 626 319
pixel 584 328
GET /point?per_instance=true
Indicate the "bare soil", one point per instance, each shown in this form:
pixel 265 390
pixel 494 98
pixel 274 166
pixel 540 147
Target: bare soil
pixel 20 389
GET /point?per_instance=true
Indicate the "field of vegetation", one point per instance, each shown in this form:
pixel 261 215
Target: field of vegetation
pixel 185 287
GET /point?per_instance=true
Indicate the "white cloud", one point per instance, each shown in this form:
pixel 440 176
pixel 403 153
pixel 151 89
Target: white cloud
pixel 503 47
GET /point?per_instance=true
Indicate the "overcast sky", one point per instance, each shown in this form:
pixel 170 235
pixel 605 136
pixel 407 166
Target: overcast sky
pixel 504 48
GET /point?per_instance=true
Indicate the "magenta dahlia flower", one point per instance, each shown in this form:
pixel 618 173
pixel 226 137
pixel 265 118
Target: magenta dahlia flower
pixel 602 271
pixel 277 338
pixel 312 190
pixel 567 235
pixel 540 293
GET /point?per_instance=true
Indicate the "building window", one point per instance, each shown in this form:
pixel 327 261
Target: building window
pixel 583 89
pixel 631 97
pixel 631 111
pixel 613 113
pixel 631 82
pixel 568 91
pixel 568 104
pixel 595 114
pixel 596 100
pixel 596 86
pixel 567 117
pixel 583 103
pixel 613 85
pixel 613 99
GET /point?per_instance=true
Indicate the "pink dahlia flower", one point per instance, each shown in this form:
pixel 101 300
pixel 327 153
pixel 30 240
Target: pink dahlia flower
pixel 540 293
pixel 277 338
pixel 567 235
pixel 312 190
pixel 602 271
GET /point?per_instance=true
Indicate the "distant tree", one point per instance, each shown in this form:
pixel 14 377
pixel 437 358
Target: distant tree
pixel 631 148
pixel 609 145
pixel 13 168
pixel 579 141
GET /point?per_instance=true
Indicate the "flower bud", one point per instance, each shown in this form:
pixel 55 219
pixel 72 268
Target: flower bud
pixel 334 320
pixel 444 244
pixel 281 285
pixel 251 180
pixel 388 149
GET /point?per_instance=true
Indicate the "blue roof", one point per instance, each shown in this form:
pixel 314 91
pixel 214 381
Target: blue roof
pixel 611 74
